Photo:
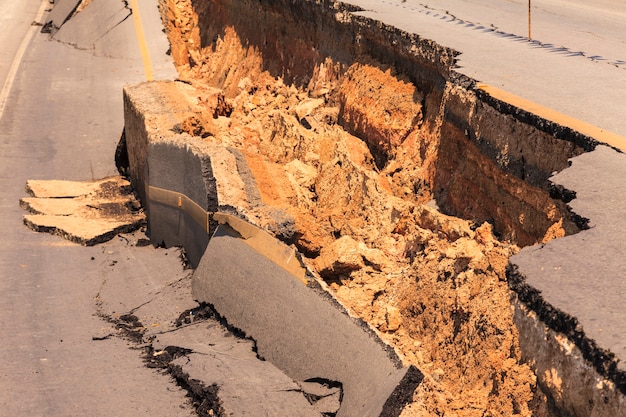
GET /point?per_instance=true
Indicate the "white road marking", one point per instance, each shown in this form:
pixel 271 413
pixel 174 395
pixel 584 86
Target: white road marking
pixel 17 60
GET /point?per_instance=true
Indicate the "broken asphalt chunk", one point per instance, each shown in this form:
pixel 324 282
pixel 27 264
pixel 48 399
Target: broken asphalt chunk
pixel 85 212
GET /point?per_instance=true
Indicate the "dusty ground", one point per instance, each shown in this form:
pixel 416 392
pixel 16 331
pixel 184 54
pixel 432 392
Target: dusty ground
pixel 432 285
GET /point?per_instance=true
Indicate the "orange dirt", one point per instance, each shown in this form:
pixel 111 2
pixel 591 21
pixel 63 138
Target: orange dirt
pixel 432 285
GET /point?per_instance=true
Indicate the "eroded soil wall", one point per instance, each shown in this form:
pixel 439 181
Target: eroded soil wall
pixel 349 128
pixel 479 163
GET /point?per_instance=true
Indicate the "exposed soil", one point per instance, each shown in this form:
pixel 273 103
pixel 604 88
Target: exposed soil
pixel 356 156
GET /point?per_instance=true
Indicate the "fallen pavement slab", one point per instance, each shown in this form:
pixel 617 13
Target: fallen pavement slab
pixel 300 328
pixel 61 12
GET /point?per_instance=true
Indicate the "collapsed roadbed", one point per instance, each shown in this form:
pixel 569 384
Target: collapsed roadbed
pixel 357 143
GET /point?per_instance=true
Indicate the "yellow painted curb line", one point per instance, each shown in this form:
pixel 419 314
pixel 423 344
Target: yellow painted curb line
pixel 599 134
pixel 265 244
pixel 182 202
pixel 258 239
pixel 141 39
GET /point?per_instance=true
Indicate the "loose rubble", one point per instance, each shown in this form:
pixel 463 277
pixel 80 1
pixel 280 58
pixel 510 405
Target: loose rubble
pixel 349 158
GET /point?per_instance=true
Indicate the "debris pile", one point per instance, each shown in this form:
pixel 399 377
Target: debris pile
pixel 351 151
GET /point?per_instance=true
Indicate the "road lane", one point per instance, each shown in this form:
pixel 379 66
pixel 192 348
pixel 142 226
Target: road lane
pixel 595 28
pixel 15 37
pixel 15 22
pixel 62 121
pixel 564 79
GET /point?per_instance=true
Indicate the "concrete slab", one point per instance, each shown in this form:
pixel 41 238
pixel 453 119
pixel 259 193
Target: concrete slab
pixel 61 12
pixel 300 328
pixel 576 284
pixel 182 180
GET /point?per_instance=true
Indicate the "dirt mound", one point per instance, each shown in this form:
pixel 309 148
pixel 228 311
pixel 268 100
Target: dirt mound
pixel 352 156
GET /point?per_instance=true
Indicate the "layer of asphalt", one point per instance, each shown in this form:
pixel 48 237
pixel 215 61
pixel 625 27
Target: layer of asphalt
pixel 583 276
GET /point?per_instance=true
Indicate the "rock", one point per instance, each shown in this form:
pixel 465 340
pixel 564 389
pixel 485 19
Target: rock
pixel 554 232
pixel 308 107
pixel 394 318
pixel 374 257
pixel 341 257
pixel 484 235
pixel 301 174
pixel 465 248
pixel 452 227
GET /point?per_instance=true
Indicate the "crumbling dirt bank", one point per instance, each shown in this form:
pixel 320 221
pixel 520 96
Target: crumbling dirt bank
pixel 354 131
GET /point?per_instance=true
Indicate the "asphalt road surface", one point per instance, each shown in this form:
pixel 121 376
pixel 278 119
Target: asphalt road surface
pixel 575 63
pixel 62 120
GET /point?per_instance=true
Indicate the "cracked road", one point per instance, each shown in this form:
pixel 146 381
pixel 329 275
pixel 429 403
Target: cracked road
pixel 62 120
pixel 575 63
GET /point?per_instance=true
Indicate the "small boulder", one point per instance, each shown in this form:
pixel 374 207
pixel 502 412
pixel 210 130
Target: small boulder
pixel 341 257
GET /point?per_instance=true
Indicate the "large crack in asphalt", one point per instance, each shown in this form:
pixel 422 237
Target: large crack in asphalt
pixel 130 13
pixel 323 395
pixel 85 33
pixel 204 399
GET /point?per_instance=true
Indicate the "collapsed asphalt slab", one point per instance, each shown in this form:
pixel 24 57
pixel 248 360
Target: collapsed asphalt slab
pixel 300 329
pixel 576 284
pixel 85 212
pixel 61 12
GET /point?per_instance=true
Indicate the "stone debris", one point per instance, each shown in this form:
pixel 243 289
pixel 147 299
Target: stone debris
pixel 85 212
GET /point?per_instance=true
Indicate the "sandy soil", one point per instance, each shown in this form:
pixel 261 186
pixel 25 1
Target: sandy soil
pixel 433 286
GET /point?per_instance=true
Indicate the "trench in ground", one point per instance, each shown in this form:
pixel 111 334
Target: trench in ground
pixel 406 188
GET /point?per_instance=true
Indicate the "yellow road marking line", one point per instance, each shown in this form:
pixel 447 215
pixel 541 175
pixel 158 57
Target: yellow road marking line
pixel 599 134
pixel 255 237
pixel 141 39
